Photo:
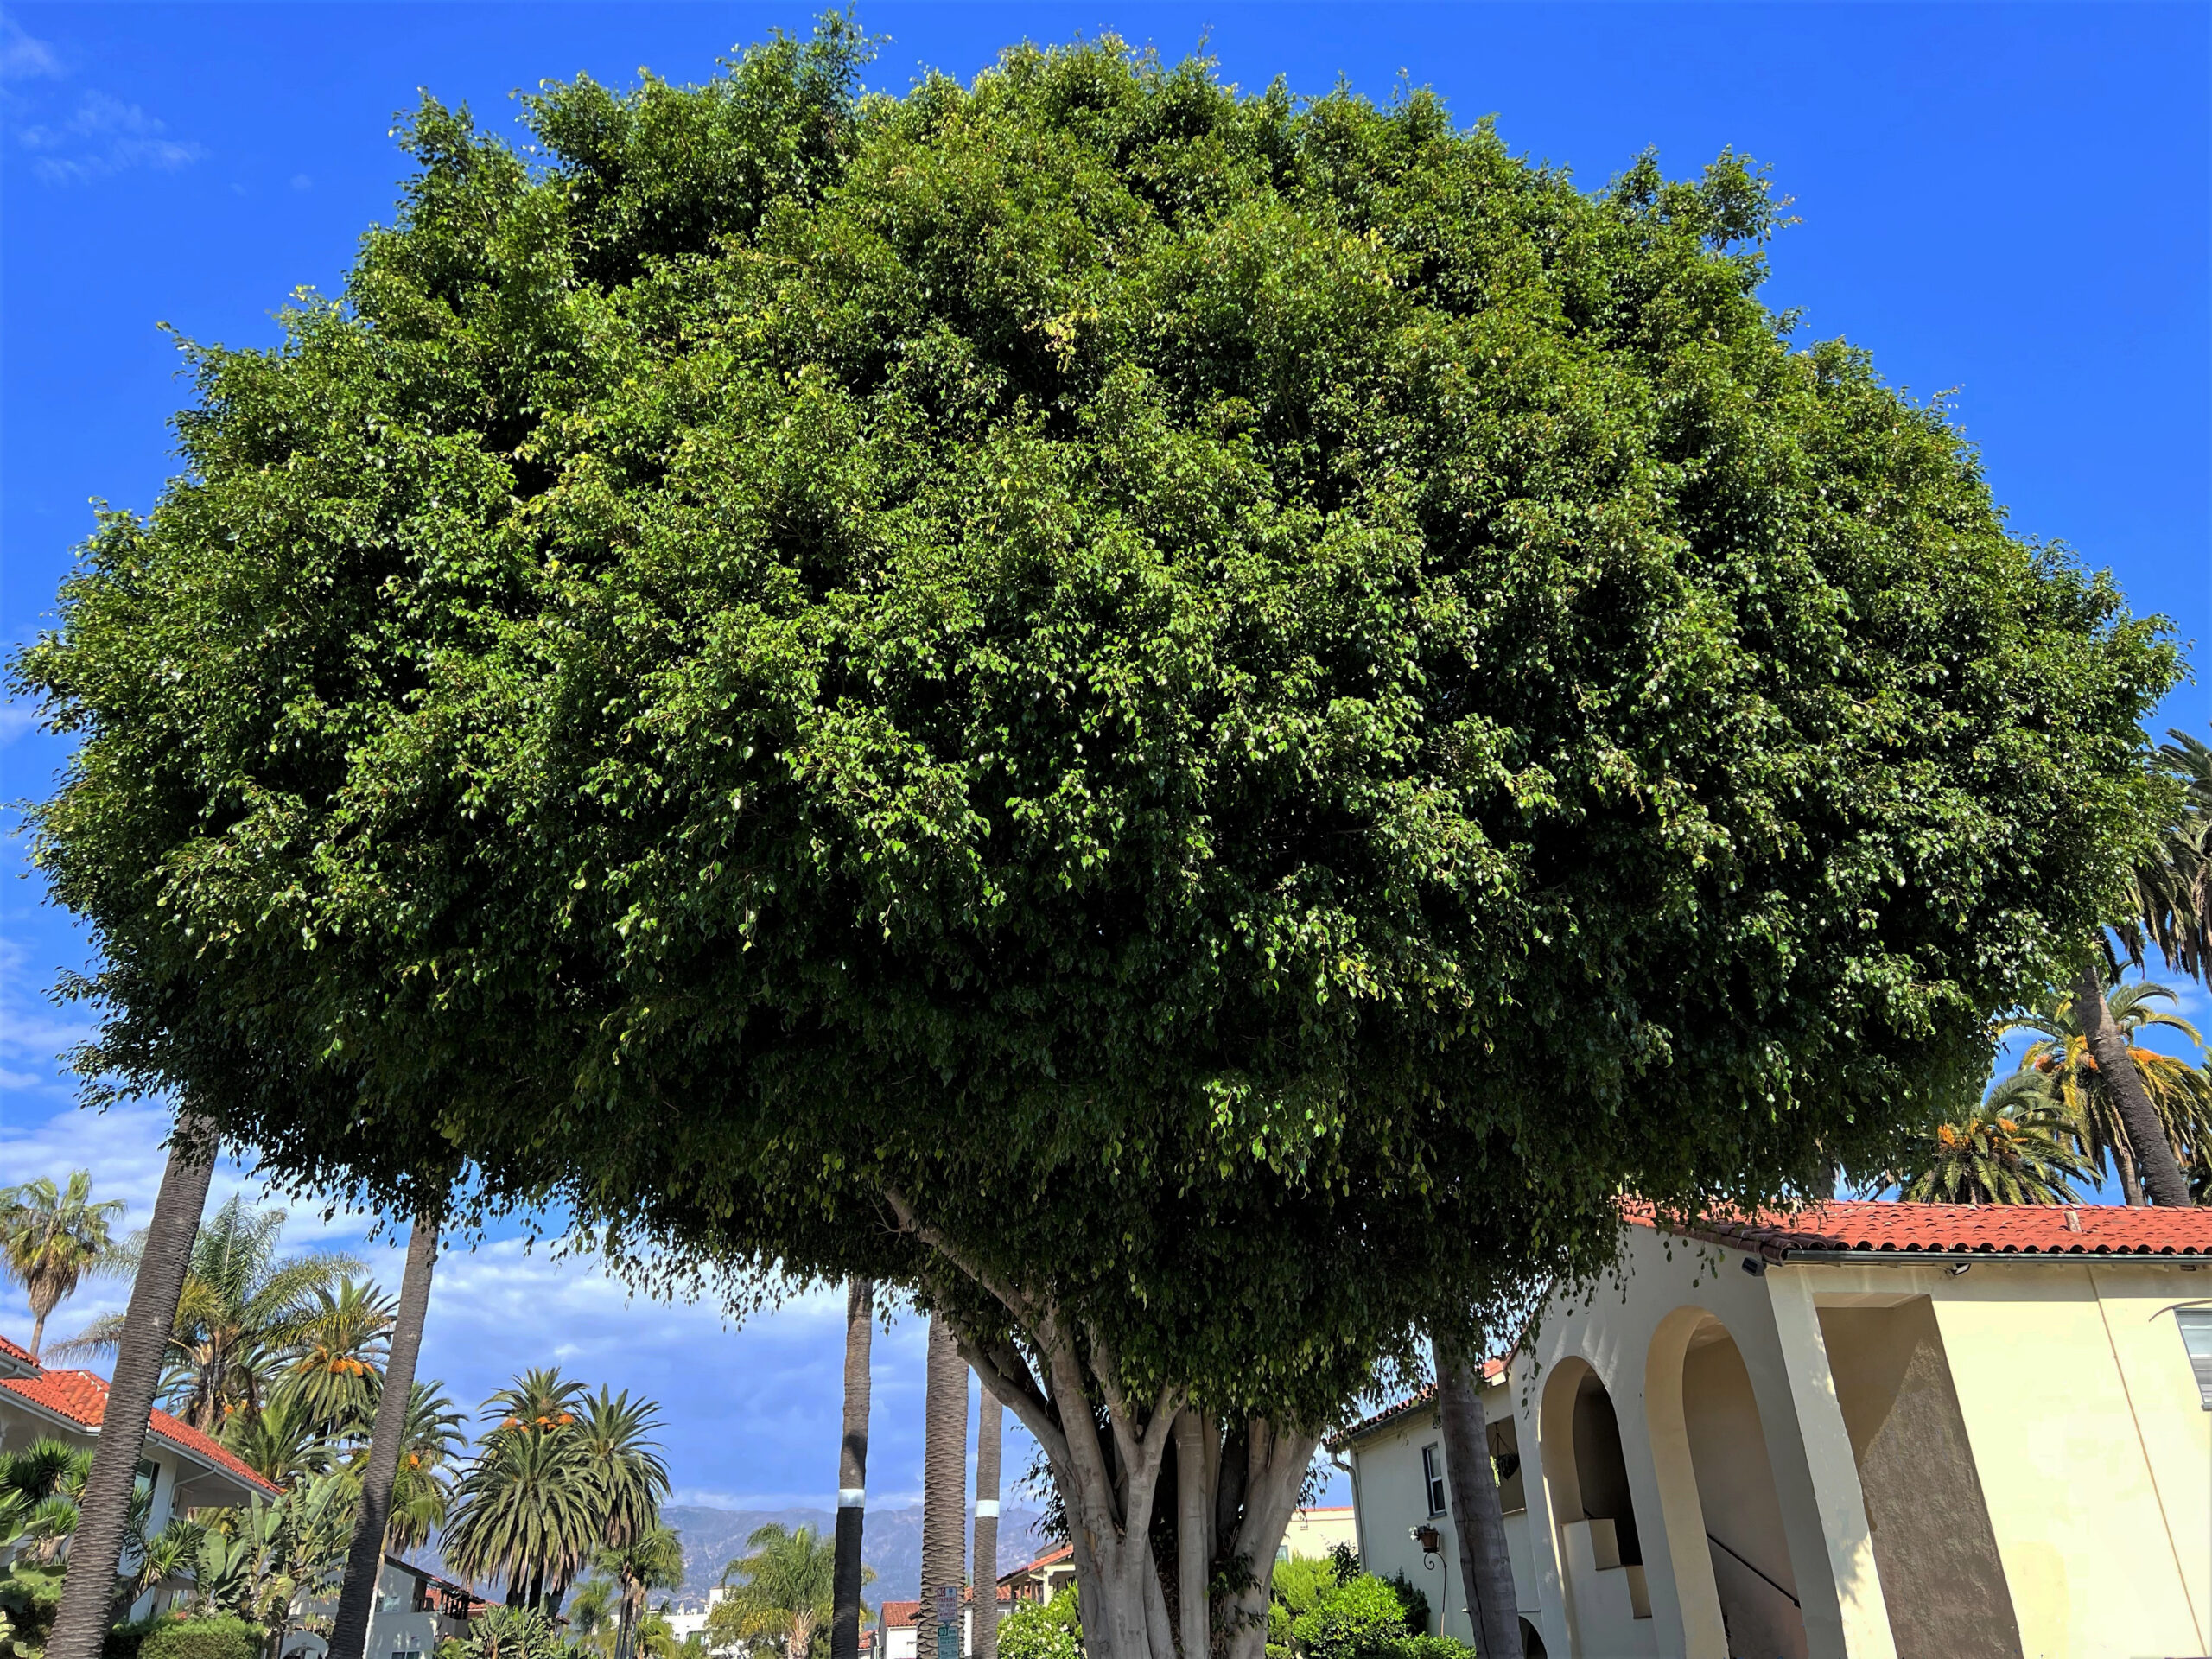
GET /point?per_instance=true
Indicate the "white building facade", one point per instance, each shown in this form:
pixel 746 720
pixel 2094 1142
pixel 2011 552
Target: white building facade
pixel 1872 1432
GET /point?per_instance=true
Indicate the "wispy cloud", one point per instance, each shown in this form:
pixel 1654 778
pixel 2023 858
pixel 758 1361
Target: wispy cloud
pixel 23 57
pixel 104 136
pixel 16 719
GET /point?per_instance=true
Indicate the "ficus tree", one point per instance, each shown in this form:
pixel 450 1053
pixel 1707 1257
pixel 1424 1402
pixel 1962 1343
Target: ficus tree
pixel 1179 722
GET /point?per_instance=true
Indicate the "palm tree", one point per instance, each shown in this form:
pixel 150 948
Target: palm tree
pixel 80 1623
pixel 429 1441
pixel 626 1471
pixel 782 1592
pixel 594 1614
pixel 50 1239
pixel 339 1346
pixel 653 1560
pixel 2180 1094
pixel 944 1471
pixel 528 1510
pixel 381 1508
pixel 240 1311
pixel 2013 1149
pixel 983 1571
pixel 2171 901
pixel 284 1441
pixel 1485 1567
pixel 852 1471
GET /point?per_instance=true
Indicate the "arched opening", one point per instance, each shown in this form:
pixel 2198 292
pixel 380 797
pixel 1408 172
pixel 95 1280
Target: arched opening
pixel 1723 1512
pixel 1532 1641
pixel 1586 1478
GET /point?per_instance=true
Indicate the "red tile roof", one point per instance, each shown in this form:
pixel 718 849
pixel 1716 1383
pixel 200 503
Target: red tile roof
pixel 900 1615
pixel 1953 1228
pixel 82 1397
pixel 21 1356
pixel 1050 1558
pixel 1493 1369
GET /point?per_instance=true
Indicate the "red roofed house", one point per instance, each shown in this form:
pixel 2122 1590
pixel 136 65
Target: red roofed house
pixel 1869 1431
pixel 897 1622
pixel 185 1469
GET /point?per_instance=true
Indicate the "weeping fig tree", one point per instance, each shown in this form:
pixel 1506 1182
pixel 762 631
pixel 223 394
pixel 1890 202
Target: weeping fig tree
pixel 1181 720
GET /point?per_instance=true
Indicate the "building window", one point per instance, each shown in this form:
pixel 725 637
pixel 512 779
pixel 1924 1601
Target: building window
pixel 1431 1469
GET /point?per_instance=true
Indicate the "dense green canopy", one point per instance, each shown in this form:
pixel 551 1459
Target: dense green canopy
pixel 1254 705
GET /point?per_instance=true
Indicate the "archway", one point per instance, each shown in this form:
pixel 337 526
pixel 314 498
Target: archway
pixel 1585 1478
pixel 1716 1484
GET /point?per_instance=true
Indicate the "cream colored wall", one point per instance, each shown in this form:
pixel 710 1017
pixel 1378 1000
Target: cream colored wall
pixel 1316 1532
pixel 2074 1386
pixel 1390 1500
pixel 1672 1285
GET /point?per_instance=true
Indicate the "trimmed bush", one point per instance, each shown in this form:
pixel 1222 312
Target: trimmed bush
pixel 1050 1630
pixel 1434 1647
pixel 1363 1619
pixel 221 1637
pixel 124 1641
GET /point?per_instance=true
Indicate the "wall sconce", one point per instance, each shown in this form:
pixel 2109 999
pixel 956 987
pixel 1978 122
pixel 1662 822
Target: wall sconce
pixel 1431 1542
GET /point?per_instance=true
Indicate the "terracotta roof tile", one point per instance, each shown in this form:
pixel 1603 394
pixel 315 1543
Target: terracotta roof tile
pixel 21 1356
pixel 1952 1228
pixel 81 1397
pixel 1493 1369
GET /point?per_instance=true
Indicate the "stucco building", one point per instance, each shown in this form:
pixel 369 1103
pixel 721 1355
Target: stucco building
pixel 182 1469
pixel 1871 1431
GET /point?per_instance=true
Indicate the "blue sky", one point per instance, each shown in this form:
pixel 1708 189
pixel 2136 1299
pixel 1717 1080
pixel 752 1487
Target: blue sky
pixel 2007 204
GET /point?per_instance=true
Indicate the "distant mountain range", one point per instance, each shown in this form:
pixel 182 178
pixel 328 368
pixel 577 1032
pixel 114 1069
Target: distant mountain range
pixel 892 1543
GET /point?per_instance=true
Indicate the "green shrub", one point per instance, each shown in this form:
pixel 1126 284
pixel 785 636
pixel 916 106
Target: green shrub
pixel 1050 1630
pixel 30 1596
pixel 125 1641
pixel 1301 1583
pixel 1414 1600
pixel 1363 1619
pixel 1434 1647
pixel 221 1637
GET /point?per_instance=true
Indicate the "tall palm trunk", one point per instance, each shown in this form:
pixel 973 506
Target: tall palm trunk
pixel 2146 1136
pixel 852 1473
pixel 103 1513
pixel 357 1594
pixel 945 1471
pixel 985 1570
pixel 1485 1569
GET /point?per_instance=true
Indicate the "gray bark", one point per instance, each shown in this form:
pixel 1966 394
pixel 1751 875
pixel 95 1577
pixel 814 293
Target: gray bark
pixel 2146 1136
pixel 88 1591
pixel 1485 1568
pixel 990 1426
pixel 852 1473
pixel 945 1480
pixel 357 1593
pixel 1110 1475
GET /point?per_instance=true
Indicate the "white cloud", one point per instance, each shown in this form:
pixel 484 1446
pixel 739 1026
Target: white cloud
pixel 16 719
pixel 104 136
pixel 23 58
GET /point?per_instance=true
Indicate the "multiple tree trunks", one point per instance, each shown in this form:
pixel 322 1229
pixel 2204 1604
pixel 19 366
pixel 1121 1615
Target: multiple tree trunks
pixel 88 1607
pixel 945 1481
pixel 357 1594
pixel 984 1571
pixel 1233 1489
pixel 852 1473
pixel 2154 1159
pixel 1485 1568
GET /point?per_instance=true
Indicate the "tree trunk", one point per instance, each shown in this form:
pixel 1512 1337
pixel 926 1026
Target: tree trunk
pixel 38 1332
pixel 104 1511
pixel 357 1593
pixel 2146 1136
pixel 990 1424
pixel 2130 1186
pixel 1485 1568
pixel 1223 1518
pixel 852 1473
pixel 944 1477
